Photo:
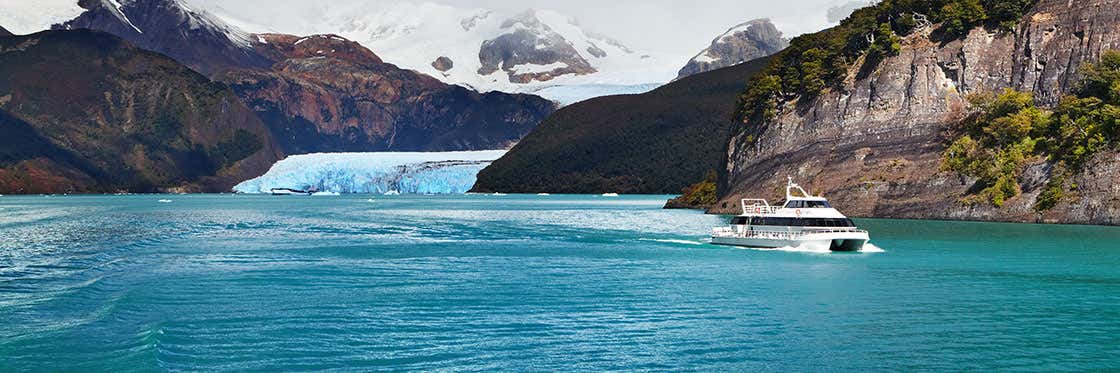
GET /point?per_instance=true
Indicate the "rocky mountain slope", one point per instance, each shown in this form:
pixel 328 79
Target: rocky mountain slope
pixel 321 93
pixel 656 142
pixel 84 111
pixel 4 32
pixel 329 94
pixel 874 144
pixel 745 42
pixel 195 39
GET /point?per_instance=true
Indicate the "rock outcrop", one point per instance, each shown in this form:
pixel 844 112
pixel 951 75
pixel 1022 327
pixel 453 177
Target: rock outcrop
pixel 744 42
pixel 529 50
pixel 874 146
pixel 443 64
pixel 656 142
pixel 84 111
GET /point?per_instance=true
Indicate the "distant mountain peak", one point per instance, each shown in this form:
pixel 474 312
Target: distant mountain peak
pixel 204 42
pixel 746 41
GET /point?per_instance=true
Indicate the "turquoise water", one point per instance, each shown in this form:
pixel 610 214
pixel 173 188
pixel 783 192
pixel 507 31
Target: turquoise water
pixel 528 283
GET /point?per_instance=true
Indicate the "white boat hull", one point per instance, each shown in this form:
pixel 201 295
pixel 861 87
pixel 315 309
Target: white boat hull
pixel 853 241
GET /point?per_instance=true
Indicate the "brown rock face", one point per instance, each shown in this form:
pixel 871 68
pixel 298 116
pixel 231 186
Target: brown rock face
pixel 443 64
pixel 84 111
pixel 874 147
pixel 326 93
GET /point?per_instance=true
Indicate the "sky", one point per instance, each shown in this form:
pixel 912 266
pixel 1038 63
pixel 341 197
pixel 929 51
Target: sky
pixel 675 26
pixel 678 26
pixel 655 24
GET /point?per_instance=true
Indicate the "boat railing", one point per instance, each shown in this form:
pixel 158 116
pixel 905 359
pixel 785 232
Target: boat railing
pixel 733 232
pixel 758 207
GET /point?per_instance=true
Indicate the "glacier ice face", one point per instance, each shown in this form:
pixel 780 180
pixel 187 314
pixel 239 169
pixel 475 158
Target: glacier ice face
pixel 409 173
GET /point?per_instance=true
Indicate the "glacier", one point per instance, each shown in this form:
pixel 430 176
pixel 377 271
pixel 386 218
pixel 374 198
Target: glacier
pixel 380 172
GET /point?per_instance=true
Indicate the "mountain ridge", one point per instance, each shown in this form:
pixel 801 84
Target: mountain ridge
pixel 86 111
pixel 340 97
pixel 655 143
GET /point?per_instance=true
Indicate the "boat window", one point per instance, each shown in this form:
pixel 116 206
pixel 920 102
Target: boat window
pixel 739 220
pixel 806 222
pixel 818 204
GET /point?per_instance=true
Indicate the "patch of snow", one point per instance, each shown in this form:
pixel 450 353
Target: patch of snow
pixel 535 69
pixel 735 30
pixel 300 41
pixel 23 17
pixel 120 14
pixel 703 57
pixel 569 94
pixel 261 39
pixel 381 173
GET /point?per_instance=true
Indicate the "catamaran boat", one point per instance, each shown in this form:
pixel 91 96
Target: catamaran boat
pixel 803 221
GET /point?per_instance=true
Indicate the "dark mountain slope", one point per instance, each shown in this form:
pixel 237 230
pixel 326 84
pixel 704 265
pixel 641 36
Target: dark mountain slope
pixel 657 142
pixel 322 93
pixel 84 111
pixel 194 39
pixel 4 32
pixel 326 93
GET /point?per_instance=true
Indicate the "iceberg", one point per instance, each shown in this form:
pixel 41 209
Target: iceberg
pixel 380 173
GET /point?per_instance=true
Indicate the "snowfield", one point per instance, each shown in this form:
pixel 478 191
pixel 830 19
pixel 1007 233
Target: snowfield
pixel 414 33
pixel 23 17
pixel 380 173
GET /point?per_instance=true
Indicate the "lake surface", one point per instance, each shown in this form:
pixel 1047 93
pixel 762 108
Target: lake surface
pixel 530 283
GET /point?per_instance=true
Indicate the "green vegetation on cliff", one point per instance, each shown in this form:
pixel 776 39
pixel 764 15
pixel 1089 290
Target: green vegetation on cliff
pixel 1008 132
pixel 656 142
pixel 697 196
pixel 816 62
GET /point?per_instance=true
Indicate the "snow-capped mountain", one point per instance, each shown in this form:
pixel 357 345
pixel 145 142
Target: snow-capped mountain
pixel 744 42
pixel 194 38
pixel 529 51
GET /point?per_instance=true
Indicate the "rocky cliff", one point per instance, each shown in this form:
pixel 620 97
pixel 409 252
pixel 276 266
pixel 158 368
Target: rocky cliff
pixel 874 144
pixel 747 41
pixel 84 111
pixel 656 142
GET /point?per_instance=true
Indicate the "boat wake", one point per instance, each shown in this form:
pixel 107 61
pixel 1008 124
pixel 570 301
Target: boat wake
pixel 813 249
pixel 685 242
